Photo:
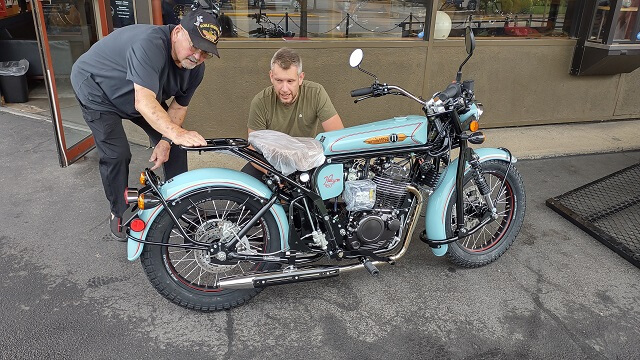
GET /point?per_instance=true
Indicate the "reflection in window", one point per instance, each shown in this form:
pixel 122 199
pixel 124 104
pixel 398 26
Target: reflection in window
pixel 626 20
pixel 123 13
pixel 401 19
pixel 505 18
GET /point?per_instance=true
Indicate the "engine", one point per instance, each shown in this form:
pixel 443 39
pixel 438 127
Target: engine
pixel 375 222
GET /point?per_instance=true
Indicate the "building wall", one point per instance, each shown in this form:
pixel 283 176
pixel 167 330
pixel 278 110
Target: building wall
pixel 527 82
pixel 520 82
pixel 220 106
pixel 627 102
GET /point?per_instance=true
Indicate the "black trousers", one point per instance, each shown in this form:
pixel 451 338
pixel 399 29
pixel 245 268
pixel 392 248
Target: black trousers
pixel 115 153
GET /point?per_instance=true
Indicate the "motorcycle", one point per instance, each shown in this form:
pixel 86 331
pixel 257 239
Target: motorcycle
pixel 212 238
pixel 271 30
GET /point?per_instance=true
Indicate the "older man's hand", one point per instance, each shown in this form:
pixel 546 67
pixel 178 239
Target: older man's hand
pixel 160 154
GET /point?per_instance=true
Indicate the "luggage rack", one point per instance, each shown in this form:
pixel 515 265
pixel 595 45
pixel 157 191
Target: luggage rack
pixel 235 146
pixel 218 144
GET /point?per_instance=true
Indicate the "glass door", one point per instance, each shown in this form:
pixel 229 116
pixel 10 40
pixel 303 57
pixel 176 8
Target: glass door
pixel 66 29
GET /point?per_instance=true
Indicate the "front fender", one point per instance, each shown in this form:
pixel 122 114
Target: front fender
pixel 438 201
pixel 206 178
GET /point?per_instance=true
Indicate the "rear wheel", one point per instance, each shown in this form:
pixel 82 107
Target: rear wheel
pixel 189 277
pixel 490 242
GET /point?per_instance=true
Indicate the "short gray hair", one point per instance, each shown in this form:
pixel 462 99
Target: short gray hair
pixel 286 58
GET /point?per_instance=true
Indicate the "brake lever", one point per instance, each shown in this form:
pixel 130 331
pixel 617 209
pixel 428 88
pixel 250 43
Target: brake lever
pixel 362 98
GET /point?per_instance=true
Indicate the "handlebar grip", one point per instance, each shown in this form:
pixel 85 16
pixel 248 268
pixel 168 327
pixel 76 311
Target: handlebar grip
pixel 361 92
pixel 453 90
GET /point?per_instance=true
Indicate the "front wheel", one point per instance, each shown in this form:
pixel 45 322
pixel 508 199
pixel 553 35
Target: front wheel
pixel 490 242
pixel 188 277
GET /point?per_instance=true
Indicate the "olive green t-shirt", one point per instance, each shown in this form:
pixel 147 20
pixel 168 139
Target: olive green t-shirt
pixel 300 119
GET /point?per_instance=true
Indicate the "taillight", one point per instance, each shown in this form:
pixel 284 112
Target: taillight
pixel 137 225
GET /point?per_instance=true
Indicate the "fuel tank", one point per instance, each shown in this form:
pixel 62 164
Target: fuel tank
pixel 384 134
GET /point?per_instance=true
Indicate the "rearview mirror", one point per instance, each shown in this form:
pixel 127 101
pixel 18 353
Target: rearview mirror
pixel 356 57
pixel 469 40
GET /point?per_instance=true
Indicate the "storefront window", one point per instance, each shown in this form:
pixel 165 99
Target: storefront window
pixel 505 18
pixel 624 29
pixel 401 19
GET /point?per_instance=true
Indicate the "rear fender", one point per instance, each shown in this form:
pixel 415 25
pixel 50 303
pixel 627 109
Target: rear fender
pixel 202 179
pixel 438 201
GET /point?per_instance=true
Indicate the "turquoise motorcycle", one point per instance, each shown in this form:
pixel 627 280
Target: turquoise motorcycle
pixel 212 238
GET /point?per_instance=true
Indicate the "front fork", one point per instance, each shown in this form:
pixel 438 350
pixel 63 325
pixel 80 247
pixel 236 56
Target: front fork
pixel 467 155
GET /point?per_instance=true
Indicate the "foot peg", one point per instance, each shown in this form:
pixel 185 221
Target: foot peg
pixel 372 269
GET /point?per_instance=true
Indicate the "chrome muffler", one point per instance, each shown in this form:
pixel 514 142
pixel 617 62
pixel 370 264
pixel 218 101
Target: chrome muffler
pixel 286 276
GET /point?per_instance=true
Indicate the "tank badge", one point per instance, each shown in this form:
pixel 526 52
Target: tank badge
pixel 386 139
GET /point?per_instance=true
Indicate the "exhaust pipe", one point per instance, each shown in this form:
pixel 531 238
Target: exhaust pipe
pixel 288 276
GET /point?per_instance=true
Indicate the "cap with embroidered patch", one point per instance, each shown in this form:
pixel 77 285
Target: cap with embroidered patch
pixel 203 29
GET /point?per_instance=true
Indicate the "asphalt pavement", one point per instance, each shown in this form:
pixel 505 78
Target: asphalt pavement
pixel 67 290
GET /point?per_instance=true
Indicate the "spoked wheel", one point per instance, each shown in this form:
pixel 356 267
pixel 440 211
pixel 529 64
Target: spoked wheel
pixel 189 277
pixel 491 241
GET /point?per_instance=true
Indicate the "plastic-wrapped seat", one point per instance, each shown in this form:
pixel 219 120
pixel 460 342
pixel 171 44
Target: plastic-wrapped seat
pixel 287 153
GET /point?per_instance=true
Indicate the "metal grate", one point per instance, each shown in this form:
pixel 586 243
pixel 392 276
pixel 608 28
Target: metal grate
pixel 608 209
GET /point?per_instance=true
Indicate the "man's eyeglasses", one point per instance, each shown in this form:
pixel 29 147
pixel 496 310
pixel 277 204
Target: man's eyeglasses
pixel 193 49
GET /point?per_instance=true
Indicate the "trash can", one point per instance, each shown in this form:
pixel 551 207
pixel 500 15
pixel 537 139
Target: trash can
pixel 13 81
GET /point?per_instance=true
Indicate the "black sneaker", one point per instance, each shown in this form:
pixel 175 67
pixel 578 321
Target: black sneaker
pixel 115 223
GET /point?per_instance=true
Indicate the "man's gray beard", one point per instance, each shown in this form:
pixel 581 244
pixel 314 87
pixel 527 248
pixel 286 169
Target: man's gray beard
pixel 188 64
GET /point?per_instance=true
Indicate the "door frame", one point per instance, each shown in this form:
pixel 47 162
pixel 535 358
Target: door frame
pixel 66 155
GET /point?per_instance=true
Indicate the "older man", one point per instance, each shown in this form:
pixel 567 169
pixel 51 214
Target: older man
pixel 129 75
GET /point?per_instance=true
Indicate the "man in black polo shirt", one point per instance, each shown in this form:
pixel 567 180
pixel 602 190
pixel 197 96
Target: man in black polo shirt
pixel 129 75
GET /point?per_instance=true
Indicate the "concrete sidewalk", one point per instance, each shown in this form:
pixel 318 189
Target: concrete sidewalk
pixel 535 142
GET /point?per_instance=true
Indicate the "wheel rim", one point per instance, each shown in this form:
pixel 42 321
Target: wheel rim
pixel 492 233
pixel 207 221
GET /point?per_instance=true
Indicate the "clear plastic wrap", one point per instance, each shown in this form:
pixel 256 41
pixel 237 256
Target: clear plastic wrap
pixel 287 153
pixel 359 195
pixel 14 68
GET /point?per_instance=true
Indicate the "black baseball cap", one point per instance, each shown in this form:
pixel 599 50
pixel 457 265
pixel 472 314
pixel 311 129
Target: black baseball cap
pixel 203 29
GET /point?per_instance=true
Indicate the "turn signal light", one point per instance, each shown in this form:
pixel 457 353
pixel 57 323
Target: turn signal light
pixel 143 178
pixel 146 201
pixel 137 225
pixel 474 126
pixel 476 138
